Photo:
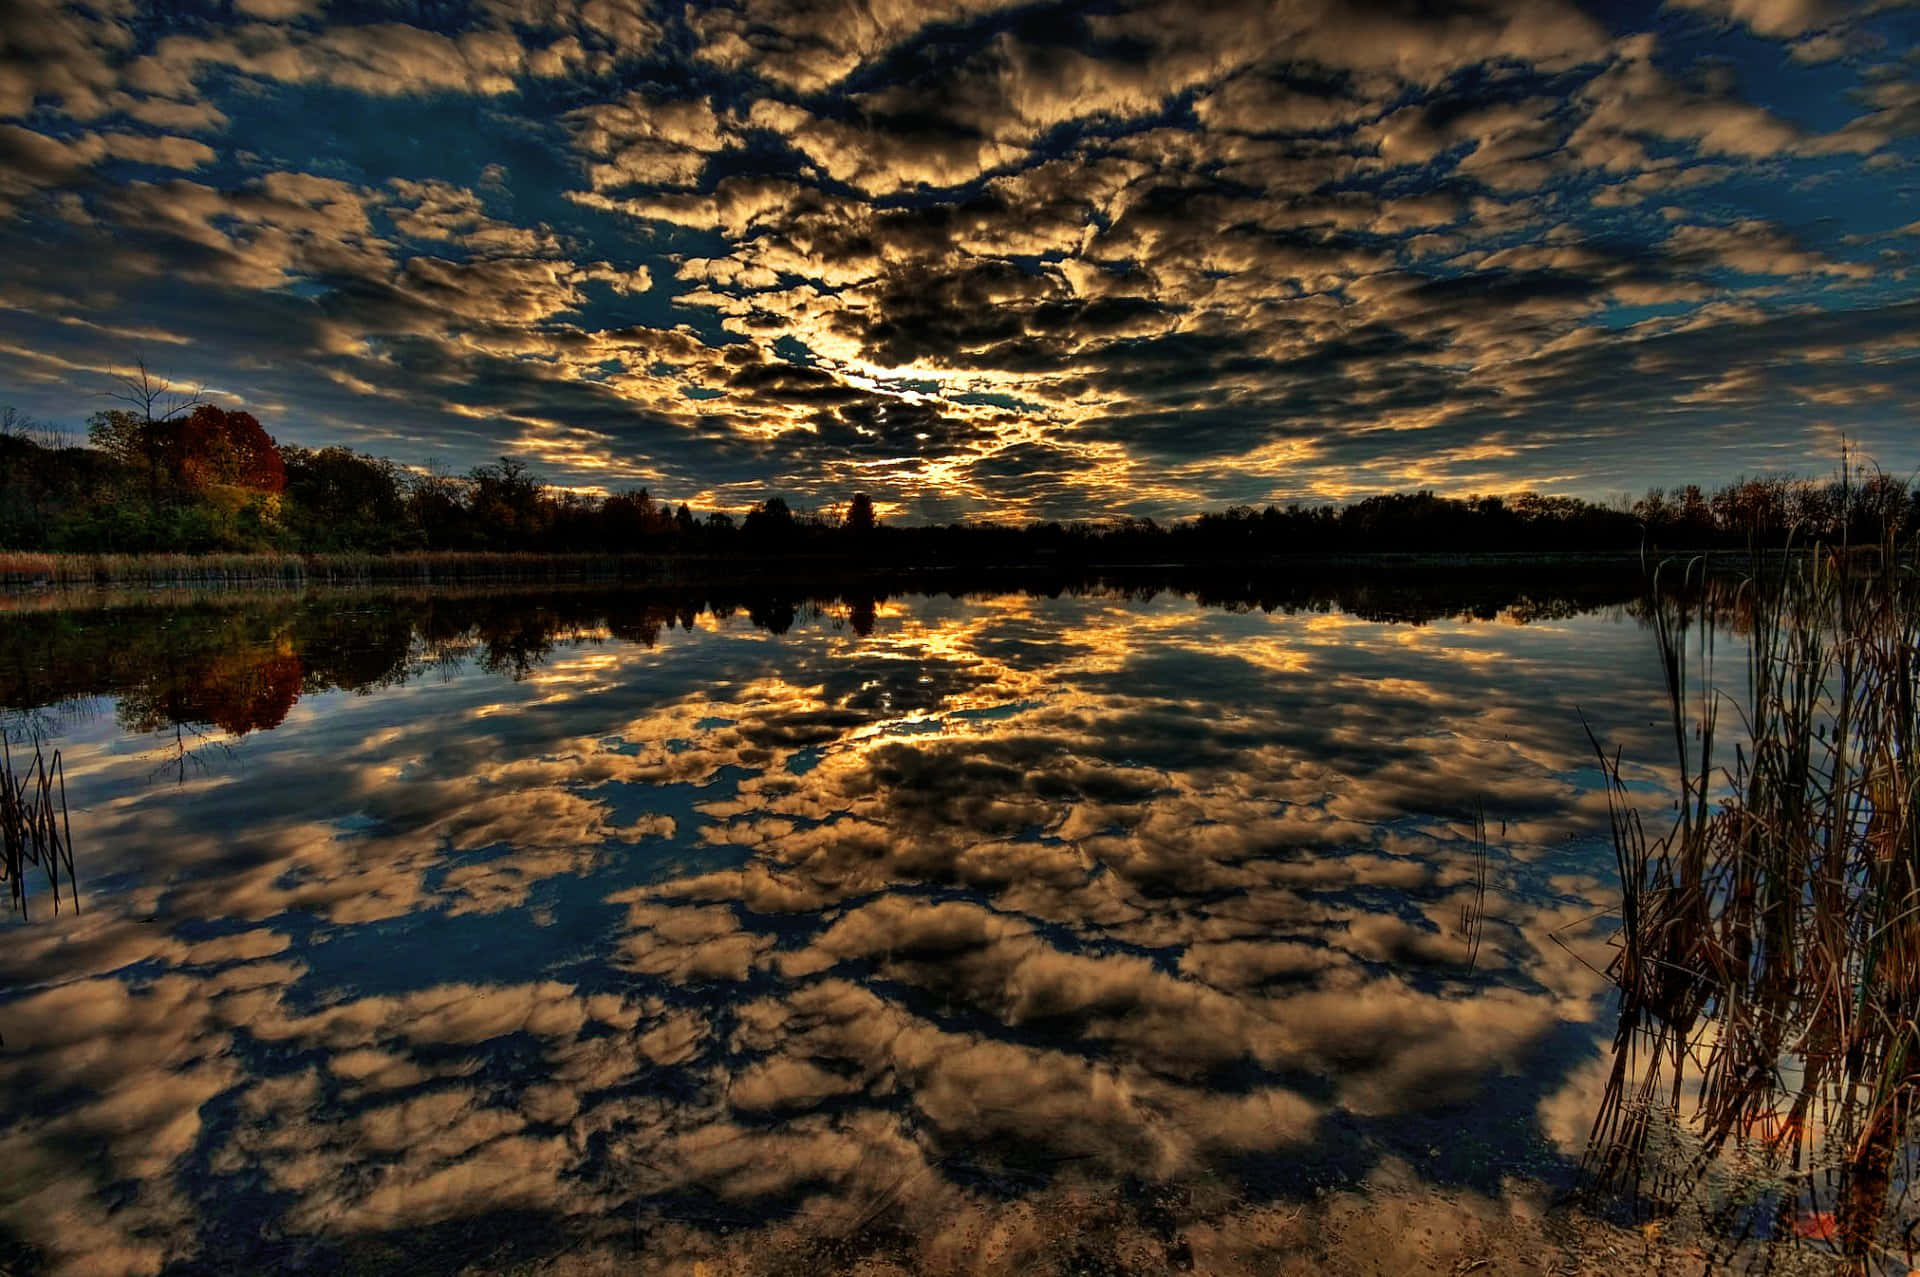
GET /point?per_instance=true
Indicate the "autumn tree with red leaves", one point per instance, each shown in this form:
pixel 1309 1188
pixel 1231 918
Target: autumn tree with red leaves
pixel 216 447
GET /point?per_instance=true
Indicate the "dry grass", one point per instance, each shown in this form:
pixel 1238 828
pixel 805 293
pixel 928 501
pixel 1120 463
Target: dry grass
pixel 71 570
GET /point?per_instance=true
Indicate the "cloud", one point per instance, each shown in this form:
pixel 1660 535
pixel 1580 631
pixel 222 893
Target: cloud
pixel 1755 247
pixel 1773 17
pixel 807 45
pixel 61 53
pixel 31 162
pixel 440 212
pixel 637 142
pixel 1635 99
pixel 377 58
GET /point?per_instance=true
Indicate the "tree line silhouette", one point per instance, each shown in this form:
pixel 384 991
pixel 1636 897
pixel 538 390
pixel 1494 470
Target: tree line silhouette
pixel 173 473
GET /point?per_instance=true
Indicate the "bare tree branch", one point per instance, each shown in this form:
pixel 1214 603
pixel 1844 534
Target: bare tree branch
pixel 146 392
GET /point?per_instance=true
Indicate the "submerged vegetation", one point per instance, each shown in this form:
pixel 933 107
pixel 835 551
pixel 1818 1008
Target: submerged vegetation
pixel 1768 959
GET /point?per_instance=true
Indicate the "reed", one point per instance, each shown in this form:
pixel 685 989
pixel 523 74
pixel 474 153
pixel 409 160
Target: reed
pixel 1768 957
pixel 1473 909
pixel 34 831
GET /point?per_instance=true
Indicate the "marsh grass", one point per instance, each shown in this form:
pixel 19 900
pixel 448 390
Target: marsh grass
pixel 35 835
pixel 67 570
pixel 1768 957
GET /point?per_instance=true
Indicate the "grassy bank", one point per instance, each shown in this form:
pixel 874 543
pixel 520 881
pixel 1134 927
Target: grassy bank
pixel 29 570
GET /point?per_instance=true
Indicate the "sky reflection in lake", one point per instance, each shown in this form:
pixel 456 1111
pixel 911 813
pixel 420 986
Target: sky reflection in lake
pixel 422 924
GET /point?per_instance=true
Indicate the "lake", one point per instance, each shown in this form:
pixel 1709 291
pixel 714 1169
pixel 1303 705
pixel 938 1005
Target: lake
pixel 424 930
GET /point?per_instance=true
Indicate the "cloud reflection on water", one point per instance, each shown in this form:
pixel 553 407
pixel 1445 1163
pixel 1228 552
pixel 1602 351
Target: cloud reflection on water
pixel 722 924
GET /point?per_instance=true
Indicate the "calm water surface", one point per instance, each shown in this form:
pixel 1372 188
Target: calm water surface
pixel 436 925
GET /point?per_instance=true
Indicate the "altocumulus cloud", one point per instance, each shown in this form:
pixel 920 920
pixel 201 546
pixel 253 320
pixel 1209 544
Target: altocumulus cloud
pixel 982 257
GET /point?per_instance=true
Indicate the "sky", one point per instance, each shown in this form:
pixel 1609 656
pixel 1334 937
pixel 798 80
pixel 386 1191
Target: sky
pixel 983 259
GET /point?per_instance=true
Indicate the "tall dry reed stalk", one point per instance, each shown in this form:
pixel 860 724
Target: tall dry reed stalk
pixel 34 831
pixel 1768 959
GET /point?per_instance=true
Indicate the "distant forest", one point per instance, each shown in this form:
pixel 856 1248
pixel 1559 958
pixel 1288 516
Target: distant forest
pixel 178 475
